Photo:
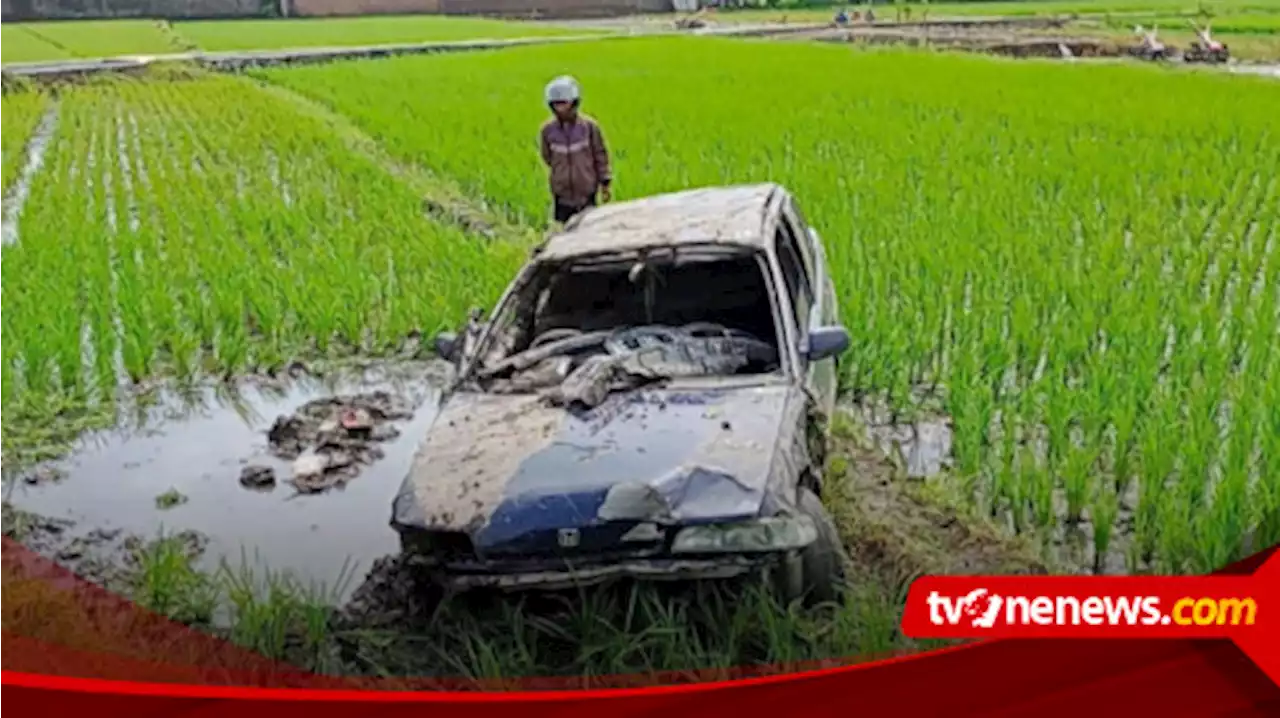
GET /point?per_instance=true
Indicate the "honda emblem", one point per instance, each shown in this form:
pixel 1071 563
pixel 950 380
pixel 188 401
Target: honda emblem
pixel 569 538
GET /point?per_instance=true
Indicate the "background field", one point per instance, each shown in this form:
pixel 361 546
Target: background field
pixel 1016 8
pixel 1251 24
pixel 254 34
pixel 23 42
pixel 30 42
pixel 1075 263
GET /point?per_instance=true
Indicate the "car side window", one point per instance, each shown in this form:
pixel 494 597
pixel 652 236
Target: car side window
pixel 791 216
pixel 793 274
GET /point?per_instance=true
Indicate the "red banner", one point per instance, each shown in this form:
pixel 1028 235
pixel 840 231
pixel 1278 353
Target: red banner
pixel 126 661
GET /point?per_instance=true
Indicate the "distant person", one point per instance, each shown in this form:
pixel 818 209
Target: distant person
pixel 573 149
pixel 842 18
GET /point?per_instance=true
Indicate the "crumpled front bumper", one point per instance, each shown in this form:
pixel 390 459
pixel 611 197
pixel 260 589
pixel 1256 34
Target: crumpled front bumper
pixel 639 569
pixel 706 552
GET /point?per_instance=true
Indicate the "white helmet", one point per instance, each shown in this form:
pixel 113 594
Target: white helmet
pixel 563 89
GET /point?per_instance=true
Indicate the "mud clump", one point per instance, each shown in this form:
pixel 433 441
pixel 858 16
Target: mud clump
pixel 31 529
pixel 391 595
pixel 329 440
pixel 258 477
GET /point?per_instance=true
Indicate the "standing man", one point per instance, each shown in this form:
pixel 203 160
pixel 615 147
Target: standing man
pixel 573 149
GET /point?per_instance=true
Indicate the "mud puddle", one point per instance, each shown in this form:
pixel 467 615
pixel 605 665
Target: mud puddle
pixel 35 152
pixel 296 476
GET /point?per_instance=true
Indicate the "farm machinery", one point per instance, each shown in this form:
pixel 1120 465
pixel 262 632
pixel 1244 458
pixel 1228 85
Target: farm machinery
pixel 692 21
pixel 1150 47
pixel 1205 48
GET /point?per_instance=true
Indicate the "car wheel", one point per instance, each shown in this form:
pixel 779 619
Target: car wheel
pixel 821 562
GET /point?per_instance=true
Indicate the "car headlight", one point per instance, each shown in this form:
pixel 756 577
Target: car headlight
pixel 775 533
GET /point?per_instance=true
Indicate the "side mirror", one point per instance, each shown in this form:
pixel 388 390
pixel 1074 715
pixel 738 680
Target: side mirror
pixel 826 342
pixel 447 346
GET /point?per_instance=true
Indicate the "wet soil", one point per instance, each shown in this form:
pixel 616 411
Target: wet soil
pixel 226 449
pixel 1264 70
pixel 917 452
pixel 890 527
pixel 105 556
pixel 995 39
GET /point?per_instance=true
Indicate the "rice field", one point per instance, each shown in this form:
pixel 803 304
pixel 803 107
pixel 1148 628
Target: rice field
pixel 1252 25
pixel 1018 8
pixel 27 42
pixel 1079 261
pixel 47 41
pixel 200 226
pixel 1083 259
pixel 1243 24
pixel 19 44
pixel 374 30
pixel 1076 263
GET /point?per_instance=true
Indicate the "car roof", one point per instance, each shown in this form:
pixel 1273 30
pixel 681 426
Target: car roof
pixel 732 215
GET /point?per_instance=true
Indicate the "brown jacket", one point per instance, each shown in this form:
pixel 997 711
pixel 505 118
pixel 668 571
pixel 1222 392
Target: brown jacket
pixel 577 158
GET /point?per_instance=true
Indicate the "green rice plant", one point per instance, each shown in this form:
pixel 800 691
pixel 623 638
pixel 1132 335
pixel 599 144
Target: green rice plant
pixel 177 230
pixel 22 112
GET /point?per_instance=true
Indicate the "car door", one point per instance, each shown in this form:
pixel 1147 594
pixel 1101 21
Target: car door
pixel 810 298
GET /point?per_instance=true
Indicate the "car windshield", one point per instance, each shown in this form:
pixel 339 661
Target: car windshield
pixel 581 330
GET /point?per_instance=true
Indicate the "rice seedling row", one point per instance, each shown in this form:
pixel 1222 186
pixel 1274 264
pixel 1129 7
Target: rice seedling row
pixel 200 226
pixel 22 112
pixel 1080 258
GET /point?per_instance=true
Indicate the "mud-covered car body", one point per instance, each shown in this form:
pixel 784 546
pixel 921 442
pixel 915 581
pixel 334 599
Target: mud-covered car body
pixel 655 455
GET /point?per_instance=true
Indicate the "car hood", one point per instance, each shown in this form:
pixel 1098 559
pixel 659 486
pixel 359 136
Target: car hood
pixel 511 471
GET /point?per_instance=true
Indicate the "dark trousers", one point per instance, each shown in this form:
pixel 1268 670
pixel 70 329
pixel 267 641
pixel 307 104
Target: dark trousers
pixel 564 212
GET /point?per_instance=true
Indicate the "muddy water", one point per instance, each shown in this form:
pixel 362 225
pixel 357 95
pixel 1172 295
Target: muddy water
pixel 36 149
pixel 922 446
pixel 112 480
pixel 1264 70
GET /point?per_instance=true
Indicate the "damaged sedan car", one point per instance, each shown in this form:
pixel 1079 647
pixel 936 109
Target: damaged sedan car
pixel 648 400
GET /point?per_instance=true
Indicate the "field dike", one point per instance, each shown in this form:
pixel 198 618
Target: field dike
pixel 228 501
pixel 442 199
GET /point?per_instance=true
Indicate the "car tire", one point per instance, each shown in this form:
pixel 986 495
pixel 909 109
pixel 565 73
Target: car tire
pixel 823 561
